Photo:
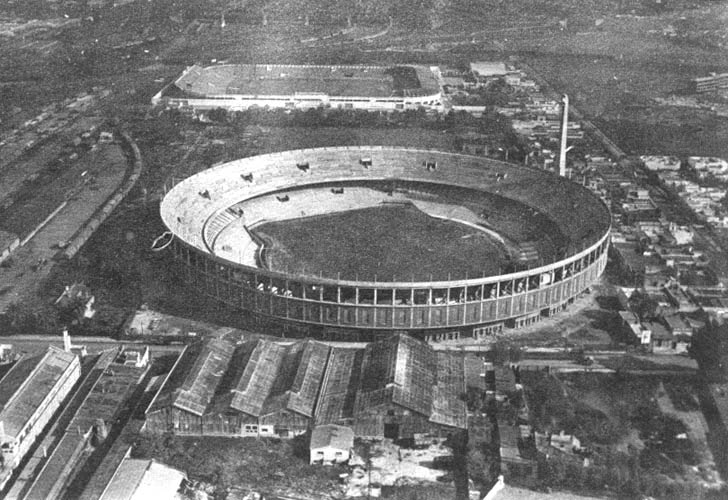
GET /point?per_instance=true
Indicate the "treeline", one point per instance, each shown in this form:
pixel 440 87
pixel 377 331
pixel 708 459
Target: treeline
pixel 622 476
pixel 496 127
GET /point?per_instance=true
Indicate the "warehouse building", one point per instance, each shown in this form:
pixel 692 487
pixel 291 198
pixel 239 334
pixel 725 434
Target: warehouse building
pixel 394 388
pixel 30 393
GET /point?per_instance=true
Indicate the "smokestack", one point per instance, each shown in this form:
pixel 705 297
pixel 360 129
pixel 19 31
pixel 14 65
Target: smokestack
pixel 66 340
pixel 564 124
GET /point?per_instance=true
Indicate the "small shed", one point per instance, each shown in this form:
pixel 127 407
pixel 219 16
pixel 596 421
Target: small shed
pixel 331 444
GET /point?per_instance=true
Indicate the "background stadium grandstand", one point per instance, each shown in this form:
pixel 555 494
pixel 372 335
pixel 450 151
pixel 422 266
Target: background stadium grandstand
pixel 238 87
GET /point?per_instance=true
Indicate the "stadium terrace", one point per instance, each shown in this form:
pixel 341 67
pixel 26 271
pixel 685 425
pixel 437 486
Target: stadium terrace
pixel 552 235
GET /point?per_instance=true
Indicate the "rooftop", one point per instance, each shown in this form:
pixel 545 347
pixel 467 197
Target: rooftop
pixel 195 377
pixel 676 324
pixel 335 436
pixel 138 479
pixel 399 370
pixel 338 391
pixel 298 382
pixel 329 384
pixel 26 385
pixel 658 331
pixel 253 385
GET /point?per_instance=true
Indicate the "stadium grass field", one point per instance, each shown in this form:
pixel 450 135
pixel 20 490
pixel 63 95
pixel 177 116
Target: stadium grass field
pixel 386 243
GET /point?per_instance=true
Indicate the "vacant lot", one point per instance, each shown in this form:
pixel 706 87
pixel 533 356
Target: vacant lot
pixel 259 464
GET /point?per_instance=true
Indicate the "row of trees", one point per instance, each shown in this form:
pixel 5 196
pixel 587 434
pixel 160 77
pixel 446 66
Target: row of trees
pixel 625 478
pixel 335 117
pixel 497 127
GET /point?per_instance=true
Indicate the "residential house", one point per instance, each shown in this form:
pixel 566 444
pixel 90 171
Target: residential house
pixel 662 341
pixel 76 303
pixel 677 326
pixel 567 443
pixel 712 300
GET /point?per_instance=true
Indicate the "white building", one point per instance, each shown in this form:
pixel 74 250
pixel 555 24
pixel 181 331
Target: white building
pixel 136 357
pixel 331 444
pixel 30 393
pixel 138 479
pixel 715 166
pixel 661 162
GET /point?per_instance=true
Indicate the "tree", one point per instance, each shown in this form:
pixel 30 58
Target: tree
pixel 644 306
pixel 724 202
pixel 218 115
pixel 708 348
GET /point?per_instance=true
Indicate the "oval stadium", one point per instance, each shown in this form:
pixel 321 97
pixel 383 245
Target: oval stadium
pixel 352 243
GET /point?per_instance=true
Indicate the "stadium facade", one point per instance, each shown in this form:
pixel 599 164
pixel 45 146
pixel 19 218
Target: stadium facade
pixel 210 215
pixel 240 87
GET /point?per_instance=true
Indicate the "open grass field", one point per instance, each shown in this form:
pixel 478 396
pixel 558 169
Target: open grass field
pixel 384 243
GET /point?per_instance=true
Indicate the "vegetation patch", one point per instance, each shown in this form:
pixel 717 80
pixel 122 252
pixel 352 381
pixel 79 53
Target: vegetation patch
pixel 260 464
pixel 632 448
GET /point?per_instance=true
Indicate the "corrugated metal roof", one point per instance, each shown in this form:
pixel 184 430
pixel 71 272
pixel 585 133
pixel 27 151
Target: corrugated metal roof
pixel 137 479
pixel 195 379
pixel 26 385
pixel 126 479
pixel 341 381
pixel 330 384
pixel 400 370
pixel 251 389
pixel 301 375
pixel 448 408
